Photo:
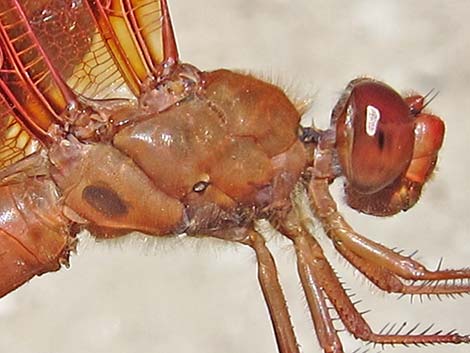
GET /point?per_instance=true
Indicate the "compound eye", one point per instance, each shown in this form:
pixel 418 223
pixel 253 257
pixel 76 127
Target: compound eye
pixel 374 135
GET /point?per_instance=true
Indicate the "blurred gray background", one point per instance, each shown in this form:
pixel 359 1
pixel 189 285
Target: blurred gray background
pixel 203 297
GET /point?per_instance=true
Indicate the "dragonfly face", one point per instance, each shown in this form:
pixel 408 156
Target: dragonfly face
pixel 321 62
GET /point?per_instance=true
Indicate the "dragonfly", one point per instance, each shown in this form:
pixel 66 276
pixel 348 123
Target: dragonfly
pixel 430 188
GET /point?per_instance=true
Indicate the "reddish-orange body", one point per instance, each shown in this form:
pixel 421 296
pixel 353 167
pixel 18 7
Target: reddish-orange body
pixel 245 166
pixel 103 128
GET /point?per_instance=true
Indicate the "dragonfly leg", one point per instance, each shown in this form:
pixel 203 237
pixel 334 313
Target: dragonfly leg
pixel 309 270
pixel 381 265
pixel 273 294
pixel 319 282
pixel 270 286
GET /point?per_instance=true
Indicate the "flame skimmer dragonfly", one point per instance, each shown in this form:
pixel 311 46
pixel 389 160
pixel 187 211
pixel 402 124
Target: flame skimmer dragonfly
pixel 380 230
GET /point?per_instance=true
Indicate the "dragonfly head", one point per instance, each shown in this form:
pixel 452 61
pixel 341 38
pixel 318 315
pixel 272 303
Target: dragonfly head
pixel 387 146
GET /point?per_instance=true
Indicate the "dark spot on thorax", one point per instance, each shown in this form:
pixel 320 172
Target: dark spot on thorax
pixel 104 200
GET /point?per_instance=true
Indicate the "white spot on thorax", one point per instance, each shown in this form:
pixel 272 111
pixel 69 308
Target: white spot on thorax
pixel 372 120
pixel 145 137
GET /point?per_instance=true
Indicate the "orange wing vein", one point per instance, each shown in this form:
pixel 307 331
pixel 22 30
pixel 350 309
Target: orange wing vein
pixel 33 96
pixel 136 33
pixel 104 48
pixel 51 50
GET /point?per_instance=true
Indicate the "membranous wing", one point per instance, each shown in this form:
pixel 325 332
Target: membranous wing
pixel 102 48
pixel 53 51
pixel 32 96
pixel 15 142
